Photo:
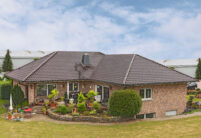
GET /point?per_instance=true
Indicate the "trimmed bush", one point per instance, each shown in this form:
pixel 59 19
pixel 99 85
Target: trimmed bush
pixel 17 95
pixel 91 94
pixel 69 109
pixel 124 103
pixel 81 107
pixel 62 109
pixel 96 105
pixel 5 89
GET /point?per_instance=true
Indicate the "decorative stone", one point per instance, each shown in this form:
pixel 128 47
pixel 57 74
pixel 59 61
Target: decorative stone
pixel 67 117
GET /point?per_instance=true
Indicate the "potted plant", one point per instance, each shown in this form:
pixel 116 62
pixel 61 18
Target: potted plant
pixel 91 97
pixel 47 104
pixel 52 97
pixel 61 101
pixel 44 111
pixel 20 117
pixel 9 115
pixel 15 116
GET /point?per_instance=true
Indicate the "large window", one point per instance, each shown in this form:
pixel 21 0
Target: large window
pixel 103 93
pixel 146 94
pixel 45 89
pixel 73 86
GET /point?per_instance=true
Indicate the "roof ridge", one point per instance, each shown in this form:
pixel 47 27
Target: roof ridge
pixel 129 67
pixel 39 66
pixel 166 67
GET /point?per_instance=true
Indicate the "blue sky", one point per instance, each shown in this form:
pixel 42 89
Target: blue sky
pixel 157 29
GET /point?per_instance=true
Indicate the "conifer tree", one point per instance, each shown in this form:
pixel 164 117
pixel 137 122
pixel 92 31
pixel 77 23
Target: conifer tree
pixel 7 63
pixel 198 70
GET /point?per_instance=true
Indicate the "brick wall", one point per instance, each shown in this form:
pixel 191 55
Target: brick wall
pixel 166 97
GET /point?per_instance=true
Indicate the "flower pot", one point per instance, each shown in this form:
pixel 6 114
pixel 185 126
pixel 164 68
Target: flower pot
pixel 52 105
pixel 90 105
pixel 15 116
pixel 10 117
pixel 45 113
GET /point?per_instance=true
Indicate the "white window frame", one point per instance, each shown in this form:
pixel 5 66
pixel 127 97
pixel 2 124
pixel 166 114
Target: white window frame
pixel 145 115
pixel 102 91
pixel 146 99
pixel 74 86
pixel 169 113
pixel 50 84
pixel 47 87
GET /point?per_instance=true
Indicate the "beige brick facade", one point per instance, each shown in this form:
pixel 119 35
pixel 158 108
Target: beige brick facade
pixel 165 97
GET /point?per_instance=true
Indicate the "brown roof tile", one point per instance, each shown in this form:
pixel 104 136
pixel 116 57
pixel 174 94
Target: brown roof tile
pixel 125 69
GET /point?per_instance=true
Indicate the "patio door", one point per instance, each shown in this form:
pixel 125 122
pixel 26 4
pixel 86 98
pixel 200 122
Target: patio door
pixel 103 93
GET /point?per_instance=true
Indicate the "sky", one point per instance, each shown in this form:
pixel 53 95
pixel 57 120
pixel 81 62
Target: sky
pixel 157 29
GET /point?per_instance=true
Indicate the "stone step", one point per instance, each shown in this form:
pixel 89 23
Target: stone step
pixel 38 109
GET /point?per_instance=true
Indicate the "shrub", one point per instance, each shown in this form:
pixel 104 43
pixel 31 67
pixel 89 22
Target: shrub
pixel 62 109
pixel 91 94
pixel 17 95
pixel 25 103
pixel 86 113
pixel 75 114
pixel 53 95
pixel 124 103
pixel 69 109
pixel 81 97
pixel 5 89
pixel 81 107
pixel 96 105
pixel 93 112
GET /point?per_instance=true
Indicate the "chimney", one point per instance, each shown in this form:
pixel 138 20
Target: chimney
pixel 85 59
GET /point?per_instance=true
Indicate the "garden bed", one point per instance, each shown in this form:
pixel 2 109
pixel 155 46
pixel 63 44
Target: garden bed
pixel 82 118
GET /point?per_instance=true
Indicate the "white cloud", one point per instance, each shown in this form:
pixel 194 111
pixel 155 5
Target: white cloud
pixel 63 25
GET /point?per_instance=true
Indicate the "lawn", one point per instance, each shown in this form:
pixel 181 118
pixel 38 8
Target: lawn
pixel 2 110
pixel 188 127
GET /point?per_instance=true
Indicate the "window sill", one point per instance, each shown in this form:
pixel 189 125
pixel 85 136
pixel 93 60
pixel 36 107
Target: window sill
pixel 148 99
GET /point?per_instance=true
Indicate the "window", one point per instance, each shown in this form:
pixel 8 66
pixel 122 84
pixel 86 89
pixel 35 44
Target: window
pixel 171 113
pixel 146 94
pixel 141 116
pixel 73 86
pixel 45 89
pixel 106 94
pixel 144 116
pixel 150 115
pixel 51 87
pixel 41 90
pixel 103 93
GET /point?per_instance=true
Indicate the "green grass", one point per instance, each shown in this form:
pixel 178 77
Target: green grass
pixel 195 99
pixel 188 127
pixel 2 110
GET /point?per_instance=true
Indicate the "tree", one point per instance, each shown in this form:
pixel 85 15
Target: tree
pixel 7 63
pixel 17 95
pixel 198 70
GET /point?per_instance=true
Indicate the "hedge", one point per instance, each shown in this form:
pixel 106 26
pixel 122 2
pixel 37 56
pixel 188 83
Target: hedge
pixel 124 103
pixel 5 88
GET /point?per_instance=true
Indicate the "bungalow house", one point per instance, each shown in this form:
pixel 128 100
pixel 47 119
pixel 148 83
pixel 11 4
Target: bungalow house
pixel 163 90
